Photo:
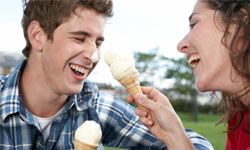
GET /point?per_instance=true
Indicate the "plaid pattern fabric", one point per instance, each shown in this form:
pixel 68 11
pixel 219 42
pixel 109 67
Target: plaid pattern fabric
pixel 120 126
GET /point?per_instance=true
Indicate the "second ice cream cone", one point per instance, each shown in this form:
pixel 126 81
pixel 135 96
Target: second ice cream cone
pixel 88 136
pixel 82 146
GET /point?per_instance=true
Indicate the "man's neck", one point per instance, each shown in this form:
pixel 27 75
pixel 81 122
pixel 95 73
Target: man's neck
pixel 38 98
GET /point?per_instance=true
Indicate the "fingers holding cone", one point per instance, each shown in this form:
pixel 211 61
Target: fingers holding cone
pixel 156 96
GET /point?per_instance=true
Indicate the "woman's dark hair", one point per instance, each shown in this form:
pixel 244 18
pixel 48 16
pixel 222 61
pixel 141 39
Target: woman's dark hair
pixel 235 14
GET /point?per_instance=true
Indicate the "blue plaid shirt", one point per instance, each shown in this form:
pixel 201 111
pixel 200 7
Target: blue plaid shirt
pixel 19 129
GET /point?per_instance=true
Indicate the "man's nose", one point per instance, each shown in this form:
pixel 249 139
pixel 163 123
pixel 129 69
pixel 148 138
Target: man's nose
pixel 91 52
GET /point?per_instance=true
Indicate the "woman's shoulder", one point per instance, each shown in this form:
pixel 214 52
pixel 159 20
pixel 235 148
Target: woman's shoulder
pixel 239 119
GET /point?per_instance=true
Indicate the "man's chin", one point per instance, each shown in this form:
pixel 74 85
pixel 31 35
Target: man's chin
pixel 75 90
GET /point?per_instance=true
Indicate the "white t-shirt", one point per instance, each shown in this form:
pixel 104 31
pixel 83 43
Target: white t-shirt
pixel 45 124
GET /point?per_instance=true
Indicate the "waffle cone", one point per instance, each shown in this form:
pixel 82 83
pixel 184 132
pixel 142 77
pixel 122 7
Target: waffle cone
pixel 131 83
pixel 83 146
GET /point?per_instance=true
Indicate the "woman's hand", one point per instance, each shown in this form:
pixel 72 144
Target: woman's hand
pixel 160 118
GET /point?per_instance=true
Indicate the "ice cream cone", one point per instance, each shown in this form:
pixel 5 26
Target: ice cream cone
pixel 88 136
pixel 83 146
pixel 123 69
pixel 131 82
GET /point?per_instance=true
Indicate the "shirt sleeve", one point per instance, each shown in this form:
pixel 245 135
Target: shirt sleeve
pixel 199 142
pixel 122 128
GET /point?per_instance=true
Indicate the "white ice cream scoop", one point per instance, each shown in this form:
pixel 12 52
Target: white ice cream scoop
pixel 119 63
pixel 89 133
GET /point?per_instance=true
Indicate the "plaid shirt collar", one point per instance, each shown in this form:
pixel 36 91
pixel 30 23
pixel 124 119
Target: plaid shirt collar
pixel 10 94
pixel 11 101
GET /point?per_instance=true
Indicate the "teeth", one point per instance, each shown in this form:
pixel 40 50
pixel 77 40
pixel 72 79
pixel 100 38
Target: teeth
pixel 77 68
pixel 193 60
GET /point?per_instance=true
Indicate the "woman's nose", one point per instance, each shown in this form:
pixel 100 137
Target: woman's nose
pixel 183 45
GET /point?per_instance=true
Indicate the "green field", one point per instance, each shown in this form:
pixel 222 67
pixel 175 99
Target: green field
pixel 206 126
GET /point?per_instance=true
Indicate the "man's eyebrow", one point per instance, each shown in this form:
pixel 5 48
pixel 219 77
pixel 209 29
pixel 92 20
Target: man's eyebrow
pixel 84 33
pixel 80 33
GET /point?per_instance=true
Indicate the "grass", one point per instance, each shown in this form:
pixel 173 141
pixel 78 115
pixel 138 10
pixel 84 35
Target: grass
pixel 206 126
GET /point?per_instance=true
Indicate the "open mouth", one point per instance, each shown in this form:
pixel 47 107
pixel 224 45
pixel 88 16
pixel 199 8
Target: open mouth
pixel 77 69
pixel 193 60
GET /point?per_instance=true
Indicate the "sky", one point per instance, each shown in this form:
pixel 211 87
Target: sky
pixel 137 25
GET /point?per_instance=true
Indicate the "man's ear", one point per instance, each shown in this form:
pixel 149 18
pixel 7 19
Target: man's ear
pixel 36 35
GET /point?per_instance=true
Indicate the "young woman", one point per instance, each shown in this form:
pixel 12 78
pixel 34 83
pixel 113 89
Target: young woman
pixel 217 48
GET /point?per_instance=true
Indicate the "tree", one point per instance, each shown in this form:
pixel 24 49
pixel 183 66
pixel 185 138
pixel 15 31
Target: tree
pixel 153 66
pixel 150 66
pixel 184 86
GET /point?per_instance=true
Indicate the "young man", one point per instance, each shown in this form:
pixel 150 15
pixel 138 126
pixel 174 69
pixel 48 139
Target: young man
pixel 47 97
